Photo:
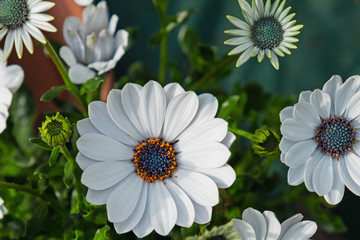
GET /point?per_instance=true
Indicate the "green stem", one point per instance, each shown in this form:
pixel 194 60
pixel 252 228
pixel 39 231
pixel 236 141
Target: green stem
pixel 71 160
pixel 242 133
pixel 62 70
pixel 213 72
pixel 163 56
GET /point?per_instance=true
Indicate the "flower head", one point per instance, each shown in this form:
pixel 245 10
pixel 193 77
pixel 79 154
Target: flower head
pixel 94 46
pixel 265 226
pixel 56 130
pixel 268 30
pixel 265 141
pixel 21 18
pixel 320 139
pixel 223 232
pixel 11 78
pixel 155 156
pixel 3 209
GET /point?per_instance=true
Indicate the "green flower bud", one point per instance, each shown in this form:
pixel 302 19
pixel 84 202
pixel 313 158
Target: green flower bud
pixel 223 232
pixel 56 130
pixel 265 141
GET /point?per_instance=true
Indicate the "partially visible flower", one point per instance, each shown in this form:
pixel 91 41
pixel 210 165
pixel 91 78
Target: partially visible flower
pixel 223 232
pixel 56 130
pixel 155 156
pixel 11 78
pixel 265 226
pixel 3 209
pixel 94 46
pixel 21 18
pixel 268 30
pixel 265 141
pixel 83 2
pixel 320 139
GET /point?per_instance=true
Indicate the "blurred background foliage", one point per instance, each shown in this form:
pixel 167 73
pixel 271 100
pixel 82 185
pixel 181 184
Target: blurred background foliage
pixel 250 97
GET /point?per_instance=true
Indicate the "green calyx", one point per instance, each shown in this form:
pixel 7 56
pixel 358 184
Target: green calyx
pixel 265 141
pixel 13 13
pixel 56 130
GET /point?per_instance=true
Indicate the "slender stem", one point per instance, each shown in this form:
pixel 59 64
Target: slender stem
pixel 242 133
pixel 22 188
pixel 163 56
pixel 71 160
pixel 66 153
pixel 62 70
pixel 213 72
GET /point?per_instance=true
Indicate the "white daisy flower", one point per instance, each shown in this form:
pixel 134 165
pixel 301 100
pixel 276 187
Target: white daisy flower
pixel 21 18
pixel 94 46
pixel 268 30
pixel 320 139
pixel 11 78
pixel 155 156
pixel 3 209
pixel 83 2
pixel 265 226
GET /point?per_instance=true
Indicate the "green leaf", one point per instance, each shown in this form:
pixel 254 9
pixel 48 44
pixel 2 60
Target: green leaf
pixel 43 184
pixel 101 234
pixel 52 93
pixel 207 53
pixel 54 155
pixel 228 106
pixel 161 6
pixel 91 85
pixel 40 143
pixel 188 39
pixel 68 174
pixel 37 221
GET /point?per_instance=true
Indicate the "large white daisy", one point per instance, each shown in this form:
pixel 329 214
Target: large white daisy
pixel 320 139
pixel 155 156
pixel 268 30
pixel 265 226
pixel 11 78
pixel 94 45
pixel 21 18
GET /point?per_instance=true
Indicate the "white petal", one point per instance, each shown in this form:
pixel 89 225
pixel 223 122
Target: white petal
pixel 184 206
pixel 180 111
pixel 245 230
pixel 286 113
pixel 299 153
pixel 257 221
pixel 352 162
pixel 144 227
pixel 202 213
pixel 83 2
pixel 344 94
pixel 309 168
pixel 118 115
pixel 286 144
pixel 41 6
pixel 288 223
pixel 136 215
pixel 241 48
pixel 200 188
pixel 112 24
pixel 85 126
pixel 122 201
pixel 9 43
pixel 79 73
pixel 331 87
pixel 353 108
pixel 305 96
pixel 12 77
pixel 244 57
pixel 273 226
pixel 35 32
pixel 306 113
pixel 237 41
pixel 323 176
pixel 99 197
pixel 337 191
pixel 274 60
pixel 43 25
pixel 100 118
pixel 162 208
pixel 205 155
pixel 208 105
pixel 103 175
pixel 5 96
pixel 84 162
pixel 238 23
pixel 295 130
pixel 152 109
pixel 172 90
pixel 229 139
pixel 321 102
pixel 18 43
pixel 301 230
pixel 100 147
pixel 346 177
pixel 67 55
pixel 296 175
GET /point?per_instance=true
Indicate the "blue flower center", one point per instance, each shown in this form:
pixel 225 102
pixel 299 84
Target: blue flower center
pixel 335 136
pixel 154 160
pixel 13 13
pixel 267 33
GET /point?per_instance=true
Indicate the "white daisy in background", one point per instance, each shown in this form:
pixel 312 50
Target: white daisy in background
pixel 94 46
pixel 11 78
pixel 155 156
pixel 268 30
pixel 265 226
pixel 21 18
pixel 320 139
pixel 3 209
pixel 83 3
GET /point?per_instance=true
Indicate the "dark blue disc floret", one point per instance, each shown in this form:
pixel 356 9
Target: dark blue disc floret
pixel 335 136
